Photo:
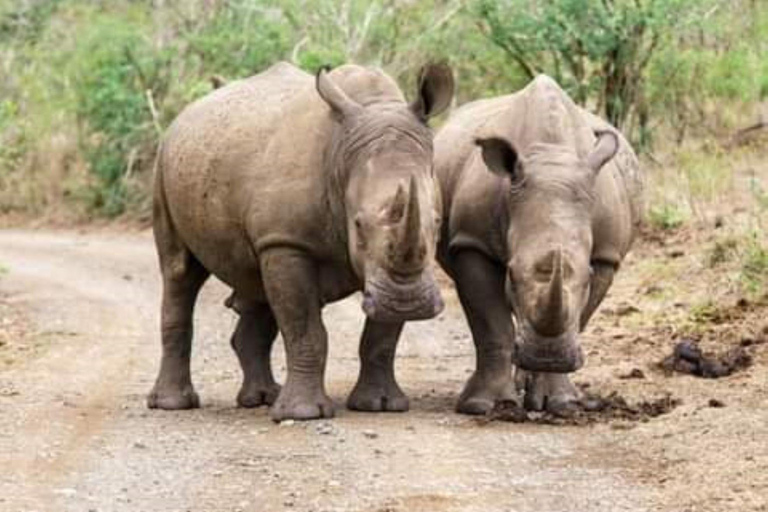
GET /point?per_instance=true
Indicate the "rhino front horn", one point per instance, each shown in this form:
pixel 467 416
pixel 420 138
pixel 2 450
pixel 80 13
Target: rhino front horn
pixel 554 314
pixel 411 231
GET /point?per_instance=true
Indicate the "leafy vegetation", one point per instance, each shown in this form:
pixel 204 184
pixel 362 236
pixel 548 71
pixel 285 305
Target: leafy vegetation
pixel 89 85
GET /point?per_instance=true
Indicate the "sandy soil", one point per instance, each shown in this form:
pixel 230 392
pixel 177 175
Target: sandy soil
pixel 81 348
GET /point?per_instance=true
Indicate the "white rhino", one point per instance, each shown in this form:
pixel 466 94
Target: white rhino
pixel 542 201
pixel 297 191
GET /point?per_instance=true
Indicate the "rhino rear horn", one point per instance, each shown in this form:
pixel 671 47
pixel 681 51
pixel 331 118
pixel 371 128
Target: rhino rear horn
pixel 341 104
pixel 398 205
pixel 605 148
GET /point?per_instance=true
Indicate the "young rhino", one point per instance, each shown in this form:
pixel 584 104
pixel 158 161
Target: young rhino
pixel 297 192
pixel 541 204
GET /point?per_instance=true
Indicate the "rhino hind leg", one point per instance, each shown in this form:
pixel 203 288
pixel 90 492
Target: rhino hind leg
pixel 480 284
pixel 551 392
pixel 252 342
pixel 376 388
pixel 183 276
pixel 291 284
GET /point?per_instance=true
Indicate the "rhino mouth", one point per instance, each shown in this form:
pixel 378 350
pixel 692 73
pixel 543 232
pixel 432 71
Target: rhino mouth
pixel 557 354
pixel 390 298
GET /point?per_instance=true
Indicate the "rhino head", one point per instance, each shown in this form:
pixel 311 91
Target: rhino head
pixel 382 158
pixel 549 242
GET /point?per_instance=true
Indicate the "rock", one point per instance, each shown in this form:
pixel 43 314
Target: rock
pixel 634 373
pixel 370 434
pixel 287 423
pixel 714 402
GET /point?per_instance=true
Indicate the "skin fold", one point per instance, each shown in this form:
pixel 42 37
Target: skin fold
pixel 297 191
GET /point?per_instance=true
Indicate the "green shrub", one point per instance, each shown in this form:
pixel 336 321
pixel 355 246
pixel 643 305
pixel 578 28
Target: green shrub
pixel 241 39
pixel 667 216
pixel 754 265
pixel 116 69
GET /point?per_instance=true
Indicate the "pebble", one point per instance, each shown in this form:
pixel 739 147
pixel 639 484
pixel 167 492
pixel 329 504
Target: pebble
pixel 370 434
pixel 287 423
pixel 324 429
pixel 714 402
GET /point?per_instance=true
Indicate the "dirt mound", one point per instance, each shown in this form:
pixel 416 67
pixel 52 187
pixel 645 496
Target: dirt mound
pixel 687 357
pixel 591 409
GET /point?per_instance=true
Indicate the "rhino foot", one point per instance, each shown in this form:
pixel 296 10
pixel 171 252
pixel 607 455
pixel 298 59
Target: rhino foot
pixel 378 398
pixel 173 399
pixel 480 395
pixel 255 395
pixel 299 403
pixel 551 392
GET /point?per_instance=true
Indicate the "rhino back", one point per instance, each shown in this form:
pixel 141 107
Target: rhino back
pixel 225 161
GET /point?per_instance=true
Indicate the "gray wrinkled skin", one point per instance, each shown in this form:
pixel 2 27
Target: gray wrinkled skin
pixel 297 191
pixel 541 204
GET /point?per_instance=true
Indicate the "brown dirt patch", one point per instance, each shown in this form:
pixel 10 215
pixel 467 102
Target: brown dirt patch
pixel 591 409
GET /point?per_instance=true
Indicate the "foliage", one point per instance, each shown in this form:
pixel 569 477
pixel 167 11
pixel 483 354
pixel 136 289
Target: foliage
pixel 88 86
pixel 597 50
pixel 667 216
pixel 754 267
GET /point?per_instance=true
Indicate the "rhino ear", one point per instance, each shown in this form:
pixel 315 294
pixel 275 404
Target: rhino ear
pixel 500 157
pixel 605 148
pixel 341 104
pixel 435 91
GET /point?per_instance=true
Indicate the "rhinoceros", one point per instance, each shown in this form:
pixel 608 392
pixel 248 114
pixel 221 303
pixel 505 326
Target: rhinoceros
pixel 297 191
pixel 542 201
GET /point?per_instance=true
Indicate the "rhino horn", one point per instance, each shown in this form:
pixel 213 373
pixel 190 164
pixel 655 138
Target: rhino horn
pixel 554 314
pixel 411 232
pixel 341 104
pixel 398 205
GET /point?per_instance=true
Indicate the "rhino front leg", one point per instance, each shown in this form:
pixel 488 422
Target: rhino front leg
pixel 183 276
pixel 291 284
pixel 252 341
pixel 376 388
pixel 480 284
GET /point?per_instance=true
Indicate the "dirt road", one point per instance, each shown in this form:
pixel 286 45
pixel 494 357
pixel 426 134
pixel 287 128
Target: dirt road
pixel 76 435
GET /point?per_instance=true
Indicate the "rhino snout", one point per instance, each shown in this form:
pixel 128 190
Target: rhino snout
pixel 560 354
pixel 388 300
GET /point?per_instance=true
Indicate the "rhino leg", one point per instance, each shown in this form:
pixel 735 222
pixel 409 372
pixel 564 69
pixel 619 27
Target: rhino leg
pixel 376 388
pixel 291 283
pixel 553 392
pixel 252 341
pixel 480 284
pixel 183 276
